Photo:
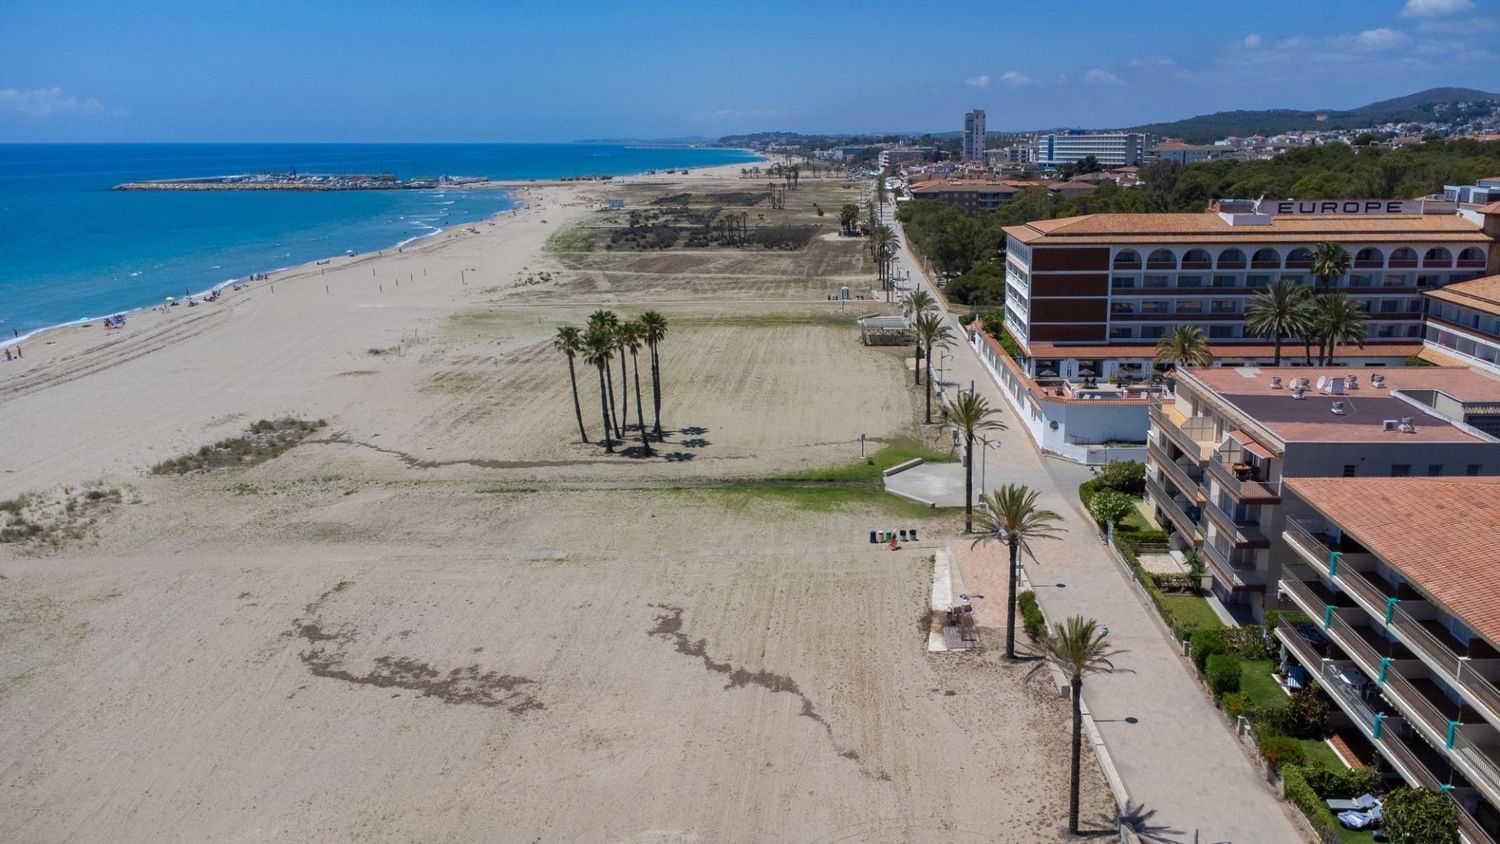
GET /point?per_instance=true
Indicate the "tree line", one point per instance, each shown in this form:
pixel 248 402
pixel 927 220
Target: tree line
pixel 598 344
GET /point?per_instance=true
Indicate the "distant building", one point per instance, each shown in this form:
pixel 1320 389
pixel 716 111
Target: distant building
pixel 1115 149
pixel 974 135
pixel 1186 153
pixel 1013 154
pixel 895 158
pixel 974 196
pixel 1481 192
pixel 1463 322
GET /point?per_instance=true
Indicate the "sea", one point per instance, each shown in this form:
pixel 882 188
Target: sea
pixel 73 250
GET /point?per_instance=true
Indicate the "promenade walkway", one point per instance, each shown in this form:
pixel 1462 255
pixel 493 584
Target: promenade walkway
pixel 1183 768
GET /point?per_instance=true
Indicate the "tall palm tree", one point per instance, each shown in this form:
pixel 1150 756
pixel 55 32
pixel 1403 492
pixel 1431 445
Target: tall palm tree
pixel 605 322
pixel 931 331
pixel 920 301
pixel 632 335
pixel 1329 261
pixel 848 216
pixel 569 341
pixel 598 348
pixel 654 331
pixel 972 414
pixel 882 247
pixel 1187 345
pixel 1337 320
pixel 1077 647
pixel 1279 311
pixel 1011 515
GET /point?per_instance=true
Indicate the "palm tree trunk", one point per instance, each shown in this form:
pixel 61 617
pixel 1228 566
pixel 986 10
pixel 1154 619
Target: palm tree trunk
pixel 577 408
pixel 929 383
pixel 1307 350
pixel 1010 598
pixel 1278 348
pixel 609 379
pixel 640 413
pixel 604 409
pixel 656 392
pixel 917 369
pixel 969 484
pixel 1077 751
pixel 624 392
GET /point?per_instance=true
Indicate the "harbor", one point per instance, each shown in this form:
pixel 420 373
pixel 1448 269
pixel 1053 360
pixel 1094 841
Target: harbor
pixel 294 181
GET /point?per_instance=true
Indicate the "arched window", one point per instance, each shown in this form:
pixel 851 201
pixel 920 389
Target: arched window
pixel 1369 258
pixel 1128 259
pixel 1437 256
pixel 1197 259
pixel 1161 259
pixel 1299 258
pixel 1405 257
pixel 1473 256
pixel 1266 259
pixel 1231 259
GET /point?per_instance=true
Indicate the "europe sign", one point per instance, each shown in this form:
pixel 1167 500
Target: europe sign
pixel 1341 206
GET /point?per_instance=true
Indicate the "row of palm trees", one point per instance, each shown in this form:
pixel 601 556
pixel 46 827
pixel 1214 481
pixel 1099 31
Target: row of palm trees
pixel 598 344
pixel 1283 311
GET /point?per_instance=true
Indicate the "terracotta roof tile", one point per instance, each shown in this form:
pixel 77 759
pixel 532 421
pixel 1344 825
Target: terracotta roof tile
pixel 1210 227
pixel 1441 533
pixel 1480 294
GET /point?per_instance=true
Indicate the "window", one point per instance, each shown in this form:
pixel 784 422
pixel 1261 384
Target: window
pixel 1122 307
pixel 1256 281
pixel 1349 469
pixel 1226 306
pixel 1361 281
pixel 1190 306
pixel 1156 281
pixel 1220 331
pixel 1121 333
pixel 1155 306
pixel 1153 332
pixel 1389 306
pixel 1434 470
pixel 1125 282
pixel 1190 281
pixel 1396 280
pixel 1400 470
pixel 1224 281
pixel 1472 470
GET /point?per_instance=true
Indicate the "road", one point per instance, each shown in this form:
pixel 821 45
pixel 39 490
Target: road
pixel 1182 766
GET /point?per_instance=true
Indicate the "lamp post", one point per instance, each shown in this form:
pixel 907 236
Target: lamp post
pixel 988 444
pixel 946 356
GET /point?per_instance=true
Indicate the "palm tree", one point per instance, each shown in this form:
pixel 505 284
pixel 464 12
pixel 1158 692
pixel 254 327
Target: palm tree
pixel 1279 311
pixel 1337 320
pixel 882 247
pixel 599 347
pixel 605 323
pixel 632 335
pixel 1011 515
pixel 931 331
pixel 848 216
pixel 653 331
pixel 920 301
pixel 569 341
pixel 1330 261
pixel 972 414
pixel 1078 648
pixel 1187 345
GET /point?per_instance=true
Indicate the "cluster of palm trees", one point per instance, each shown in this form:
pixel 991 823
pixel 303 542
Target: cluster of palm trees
pixel 598 344
pixel 1317 315
pixel 883 245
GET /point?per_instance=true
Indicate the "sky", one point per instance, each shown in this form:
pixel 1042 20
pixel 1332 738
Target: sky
pixel 538 71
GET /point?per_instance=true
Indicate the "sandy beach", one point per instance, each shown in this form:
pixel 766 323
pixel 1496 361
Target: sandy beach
pixel 441 617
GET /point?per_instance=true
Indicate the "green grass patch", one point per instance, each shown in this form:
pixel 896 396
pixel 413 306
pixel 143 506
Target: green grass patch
pixel 821 499
pixel 570 239
pixel 872 468
pixel 1192 610
pixel 1320 755
pixel 263 440
pixel 765 320
pixel 1257 684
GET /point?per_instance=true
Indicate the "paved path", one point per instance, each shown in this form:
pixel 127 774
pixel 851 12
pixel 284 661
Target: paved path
pixel 1180 763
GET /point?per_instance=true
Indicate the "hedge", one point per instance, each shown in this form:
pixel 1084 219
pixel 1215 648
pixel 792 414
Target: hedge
pixel 1327 783
pixel 1222 674
pixel 1282 752
pixel 1033 621
pixel 1204 644
pixel 1300 793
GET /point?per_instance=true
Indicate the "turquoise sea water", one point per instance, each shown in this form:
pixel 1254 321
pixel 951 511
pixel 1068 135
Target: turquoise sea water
pixel 70 248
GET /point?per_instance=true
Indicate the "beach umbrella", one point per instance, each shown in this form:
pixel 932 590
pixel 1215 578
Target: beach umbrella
pixel 1047 373
pixel 1086 372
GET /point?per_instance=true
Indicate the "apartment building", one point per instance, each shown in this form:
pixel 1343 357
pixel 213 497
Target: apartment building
pixel 893 159
pixel 1463 321
pixel 975 136
pixel 974 196
pixel 1112 149
pixel 1219 450
pixel 1481 192
pixel 1097 291
pixel 1400 586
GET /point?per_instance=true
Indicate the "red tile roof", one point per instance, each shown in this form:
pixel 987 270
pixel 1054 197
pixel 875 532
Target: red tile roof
pixel 1441 533
pixel 1289 350
pixel 1480 294
pixel 1209 227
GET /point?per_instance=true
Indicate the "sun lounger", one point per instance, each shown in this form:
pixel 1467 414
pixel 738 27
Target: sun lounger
pixel 913 534
pixel 1356 820
pixel 903 535
pixel 1342 805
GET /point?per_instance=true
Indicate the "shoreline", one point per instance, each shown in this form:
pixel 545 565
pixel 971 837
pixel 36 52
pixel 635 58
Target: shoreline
pixel 511 186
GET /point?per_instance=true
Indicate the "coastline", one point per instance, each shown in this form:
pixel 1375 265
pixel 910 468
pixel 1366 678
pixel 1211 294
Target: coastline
pixel 510 186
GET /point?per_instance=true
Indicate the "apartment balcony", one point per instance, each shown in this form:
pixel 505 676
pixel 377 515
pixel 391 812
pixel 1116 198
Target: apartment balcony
pixel 1243 483
pixel 1194 436
pixel 1181 475
pixel 1179 511
pixel 1244 534
pixel 1238 575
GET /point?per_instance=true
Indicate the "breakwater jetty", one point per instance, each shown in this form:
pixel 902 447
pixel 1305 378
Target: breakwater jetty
pixel 305 181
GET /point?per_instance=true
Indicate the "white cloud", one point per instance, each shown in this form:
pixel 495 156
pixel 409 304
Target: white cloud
pixel 1152 61
pixel 1384 38
pixel 1014 79
pixel 1100 76
pixel 41 102
pixel 1435 8
pixel 1252 40
pixel 980 81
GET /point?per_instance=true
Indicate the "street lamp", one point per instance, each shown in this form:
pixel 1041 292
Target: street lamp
pixel 945 357
pixel 988 444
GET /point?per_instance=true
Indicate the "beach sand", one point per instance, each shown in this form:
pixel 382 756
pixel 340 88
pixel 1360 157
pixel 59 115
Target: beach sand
pixel 443 618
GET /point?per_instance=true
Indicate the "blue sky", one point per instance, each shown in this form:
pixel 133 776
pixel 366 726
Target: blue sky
pixel 503 70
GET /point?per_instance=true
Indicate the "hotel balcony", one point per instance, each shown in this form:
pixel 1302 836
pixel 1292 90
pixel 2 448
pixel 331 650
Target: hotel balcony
pixel 1179 510
pixel 1188 477
pixel 1406 613
pixel 1235 572
pixel 1244 533
pixel 1194 436
pixel 1243 482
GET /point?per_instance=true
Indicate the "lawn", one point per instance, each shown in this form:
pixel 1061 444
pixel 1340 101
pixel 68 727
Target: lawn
pixel 823 499
pixel 1193 610
pixel 1258 686
pixel 872 468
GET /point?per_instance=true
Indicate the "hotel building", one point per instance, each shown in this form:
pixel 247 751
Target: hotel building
pixel 1399 583
pixel 1096 292
pixel 1116 149
pixel 1220 449
pixel 1463 322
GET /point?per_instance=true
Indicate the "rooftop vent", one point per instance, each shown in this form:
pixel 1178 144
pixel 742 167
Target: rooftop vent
pixel 1275 382
pixel 1377 381
pixel 1389 424
pixel 1299 392
pixel 1351 382
pixel 1407 427
pixel 1338 408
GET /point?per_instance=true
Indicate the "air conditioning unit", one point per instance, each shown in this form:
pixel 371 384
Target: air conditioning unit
pixel 1337 408
pixel 1377 381
pixel 1390 424
pixel 1299 392
pixel 1408 428
pixel 1275 382
pixel 1351 382
pixel 1408 421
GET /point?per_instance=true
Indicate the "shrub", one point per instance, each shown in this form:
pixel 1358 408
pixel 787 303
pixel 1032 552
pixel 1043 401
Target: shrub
pixel 1419 816
pixel 1127 476
pixel 1206 643
pixel 965 319
pixel 1307 713
pixel 1222 674
pixel 1087 489
pixel 1108 507
pixel 1174 581
pixel 1248 642
pixel 1328 783
pixel 1280 752
pixel 1033 621
pixel 1236 704
pixel 1300 794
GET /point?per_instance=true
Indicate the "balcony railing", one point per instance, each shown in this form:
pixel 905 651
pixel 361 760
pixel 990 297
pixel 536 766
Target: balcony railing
pixel 1302 649
pixel 1243 533
pixel 1186 482
pixel 1166 418
pixel 1174 510
pixel 1302 595
pixel 1423 714
pixel 1478 764
pixel 1239 576
pixel 1247 489
pixel 1350 700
